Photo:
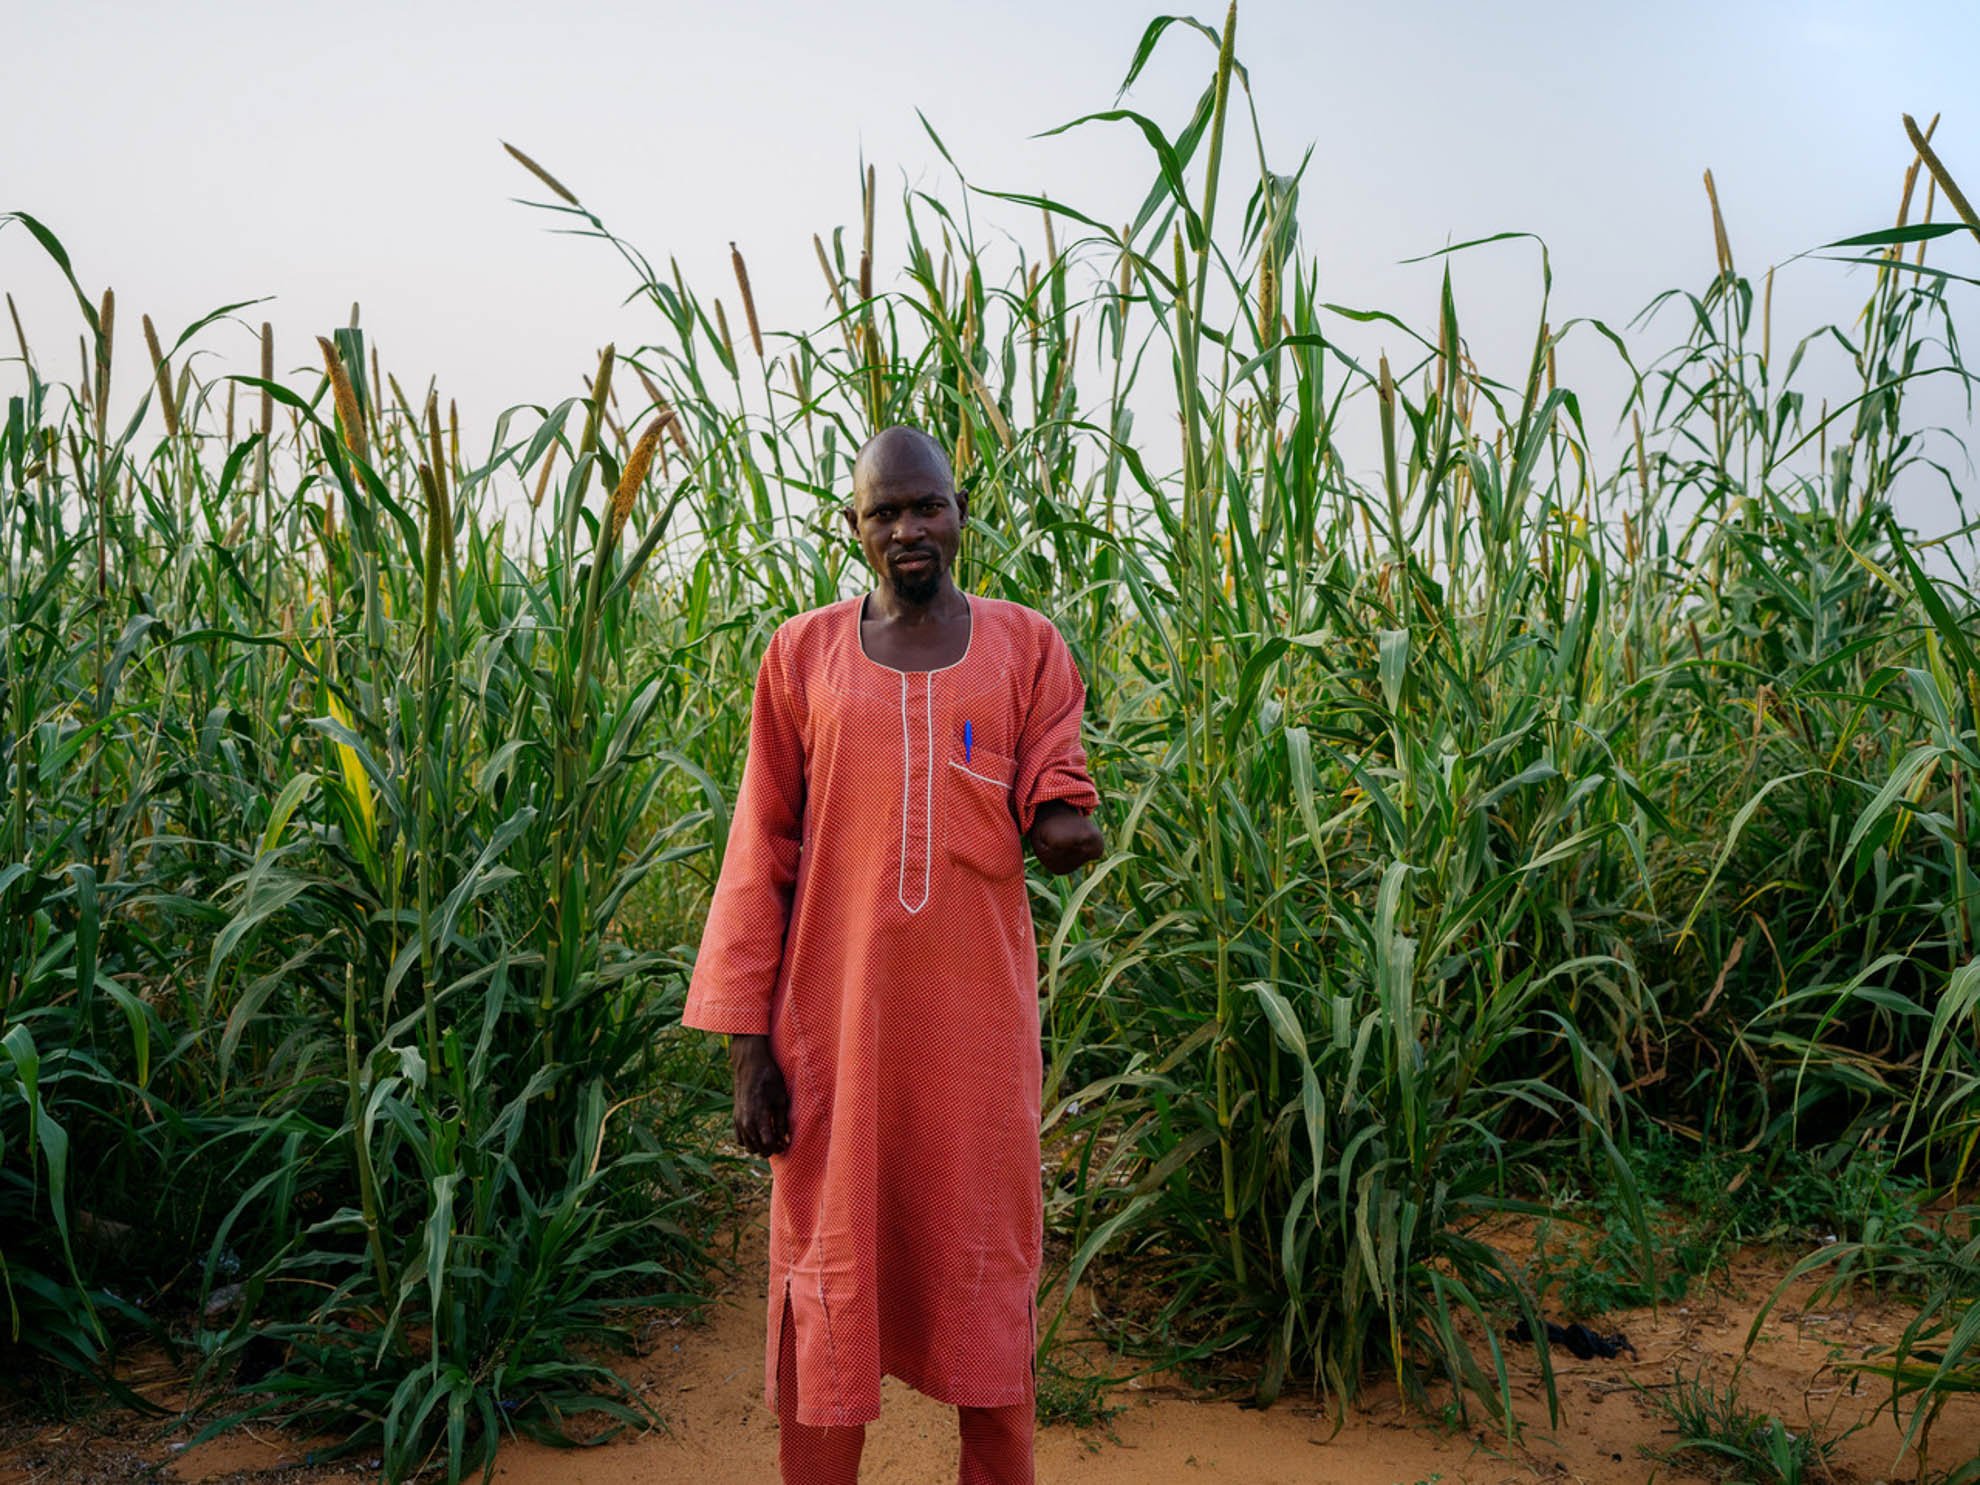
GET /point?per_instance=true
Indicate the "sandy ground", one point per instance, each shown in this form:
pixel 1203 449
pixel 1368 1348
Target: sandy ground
pixel 706 1380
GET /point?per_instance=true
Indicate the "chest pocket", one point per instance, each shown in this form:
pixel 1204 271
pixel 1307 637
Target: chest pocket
pixel 981 832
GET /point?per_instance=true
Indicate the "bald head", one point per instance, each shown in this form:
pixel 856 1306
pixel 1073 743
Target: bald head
pixel 905 512
pixel 901 452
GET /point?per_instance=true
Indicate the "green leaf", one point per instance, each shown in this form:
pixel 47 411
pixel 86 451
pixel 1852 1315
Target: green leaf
pixel 298 789
pixel 1392 649
pixel 52 245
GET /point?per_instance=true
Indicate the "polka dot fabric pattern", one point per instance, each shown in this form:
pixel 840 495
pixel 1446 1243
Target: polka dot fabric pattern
pixel 806 1455
pixel 872 918
pixel 996 1442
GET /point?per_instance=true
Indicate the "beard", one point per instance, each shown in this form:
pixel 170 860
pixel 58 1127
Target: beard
pixel 918 588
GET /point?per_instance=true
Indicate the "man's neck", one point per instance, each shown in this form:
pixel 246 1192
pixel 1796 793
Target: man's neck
pixel 947 603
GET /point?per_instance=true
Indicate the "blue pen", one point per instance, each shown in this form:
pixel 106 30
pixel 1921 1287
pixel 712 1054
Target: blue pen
pixel 966 741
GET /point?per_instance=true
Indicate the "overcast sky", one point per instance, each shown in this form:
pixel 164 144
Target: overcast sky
pixel 194 154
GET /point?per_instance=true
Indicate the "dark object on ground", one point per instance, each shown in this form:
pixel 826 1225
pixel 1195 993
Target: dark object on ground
pixel 1578 1340
pixel 260 1357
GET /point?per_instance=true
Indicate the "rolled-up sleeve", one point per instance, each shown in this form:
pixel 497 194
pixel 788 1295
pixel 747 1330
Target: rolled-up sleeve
pixel 1051 764
pixel 742 946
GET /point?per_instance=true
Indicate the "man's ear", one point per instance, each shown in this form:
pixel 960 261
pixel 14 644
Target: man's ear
pixel 962 507
pixel 852 518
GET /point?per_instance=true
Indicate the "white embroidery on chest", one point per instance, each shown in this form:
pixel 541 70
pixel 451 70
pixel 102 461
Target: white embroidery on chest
pixel 928 791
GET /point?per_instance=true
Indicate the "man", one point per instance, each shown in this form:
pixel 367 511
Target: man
pixel 871 956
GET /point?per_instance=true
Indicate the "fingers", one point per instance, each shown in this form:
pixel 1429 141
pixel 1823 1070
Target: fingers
pixel 757 1137
pixel 763 1116
pixel 1061 856
pixel 776 1105
pixel 1056 859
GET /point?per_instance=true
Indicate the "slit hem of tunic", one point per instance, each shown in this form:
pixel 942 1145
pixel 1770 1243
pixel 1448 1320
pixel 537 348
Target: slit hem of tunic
pixel 773 1390
pixel 837 1415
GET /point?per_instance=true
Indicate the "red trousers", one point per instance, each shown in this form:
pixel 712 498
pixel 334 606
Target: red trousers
pixel 996 1442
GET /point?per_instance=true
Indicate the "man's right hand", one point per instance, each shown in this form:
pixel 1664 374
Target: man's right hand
pixel 763 1103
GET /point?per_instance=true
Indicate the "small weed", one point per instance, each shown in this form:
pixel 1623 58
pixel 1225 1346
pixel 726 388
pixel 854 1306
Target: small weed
pixel 1066 1398
pixel 1700 1206
pixel 1717 1432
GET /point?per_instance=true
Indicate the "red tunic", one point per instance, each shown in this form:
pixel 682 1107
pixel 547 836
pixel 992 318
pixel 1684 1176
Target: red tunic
pixel 872 917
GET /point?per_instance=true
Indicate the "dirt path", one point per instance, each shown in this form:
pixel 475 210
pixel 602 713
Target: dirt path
pixel 707 1381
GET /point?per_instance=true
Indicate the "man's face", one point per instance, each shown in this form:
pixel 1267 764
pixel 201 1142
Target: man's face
pixel 909 523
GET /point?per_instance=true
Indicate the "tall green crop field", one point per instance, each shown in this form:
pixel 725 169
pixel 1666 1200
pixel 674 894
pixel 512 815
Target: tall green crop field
pixel 1578 775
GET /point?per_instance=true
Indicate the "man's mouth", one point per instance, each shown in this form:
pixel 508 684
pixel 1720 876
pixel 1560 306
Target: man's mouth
pixel 914 562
